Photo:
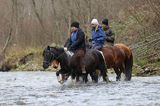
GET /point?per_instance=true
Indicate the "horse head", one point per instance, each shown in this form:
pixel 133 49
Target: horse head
pixel 50 56
pixel 55 56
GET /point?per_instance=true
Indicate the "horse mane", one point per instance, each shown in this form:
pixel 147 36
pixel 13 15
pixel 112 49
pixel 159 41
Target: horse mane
pixel 56 45
pixel 61 49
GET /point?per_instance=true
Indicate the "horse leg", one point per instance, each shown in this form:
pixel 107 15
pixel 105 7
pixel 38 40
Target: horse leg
pixel 85 77
pixel 73 75
pixel 118 73
pixel 84 74
pixel 104 75
pixel 128 68
pixel 123 68
pixel 103 71
pixel 57 73
pixel 94 76
pixel 127 75
pixel 77 78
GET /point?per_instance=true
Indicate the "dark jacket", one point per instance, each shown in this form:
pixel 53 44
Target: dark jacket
pixel 76 41
pixel 110 36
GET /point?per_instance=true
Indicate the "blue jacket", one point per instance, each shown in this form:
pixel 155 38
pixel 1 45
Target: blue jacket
pixel 73 37
pixel 76 40
pixel 98 36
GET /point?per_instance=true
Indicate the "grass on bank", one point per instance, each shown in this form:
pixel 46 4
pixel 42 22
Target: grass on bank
pixel 28 59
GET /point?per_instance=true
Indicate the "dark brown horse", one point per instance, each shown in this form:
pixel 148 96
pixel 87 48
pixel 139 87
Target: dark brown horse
pixel 55 56
pixel 87 62
pixel 119 57
pixel 80 64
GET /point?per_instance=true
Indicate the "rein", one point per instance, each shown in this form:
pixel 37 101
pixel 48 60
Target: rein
pixel 55 58
pixel 60 55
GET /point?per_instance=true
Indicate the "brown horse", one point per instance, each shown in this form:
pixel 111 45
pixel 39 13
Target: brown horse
pixel 86 62
pixel 128 59
pixel 81 63
pixel 119 57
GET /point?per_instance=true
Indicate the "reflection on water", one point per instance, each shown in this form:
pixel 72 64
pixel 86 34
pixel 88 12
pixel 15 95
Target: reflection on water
pixel 42 88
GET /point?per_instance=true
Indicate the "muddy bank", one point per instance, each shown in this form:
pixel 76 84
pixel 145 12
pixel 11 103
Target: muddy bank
pixel 146 70
pixel 24 60
pixel 29 61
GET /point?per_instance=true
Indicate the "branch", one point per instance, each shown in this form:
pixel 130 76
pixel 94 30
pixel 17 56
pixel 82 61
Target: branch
pixel 38 17
pixel 7 41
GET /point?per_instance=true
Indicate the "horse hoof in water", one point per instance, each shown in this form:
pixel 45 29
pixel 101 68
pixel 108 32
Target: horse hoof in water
pixel 127 79
pixel 106 80
pixel 118 79
pixel 61 82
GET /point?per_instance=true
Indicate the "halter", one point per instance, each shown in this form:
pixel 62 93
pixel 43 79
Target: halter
pixel 48 62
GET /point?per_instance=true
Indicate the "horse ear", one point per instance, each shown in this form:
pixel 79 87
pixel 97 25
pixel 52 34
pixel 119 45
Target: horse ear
pixel 48 47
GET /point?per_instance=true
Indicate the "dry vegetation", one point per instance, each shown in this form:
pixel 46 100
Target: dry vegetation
pixel 38 23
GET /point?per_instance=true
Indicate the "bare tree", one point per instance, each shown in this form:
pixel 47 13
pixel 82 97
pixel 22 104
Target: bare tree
pixel 37 23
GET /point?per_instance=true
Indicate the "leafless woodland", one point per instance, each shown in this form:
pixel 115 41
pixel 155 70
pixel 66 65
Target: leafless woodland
pixel 37 23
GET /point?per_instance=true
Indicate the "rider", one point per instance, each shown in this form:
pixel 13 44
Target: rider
pixel 110 36
pixel 77 38
pixel 98 35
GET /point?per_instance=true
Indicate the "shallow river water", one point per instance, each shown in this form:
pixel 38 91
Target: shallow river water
pixel 42 89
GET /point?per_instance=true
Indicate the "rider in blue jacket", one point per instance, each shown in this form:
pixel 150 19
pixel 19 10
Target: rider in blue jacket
pixel 77 38
pixel 98 35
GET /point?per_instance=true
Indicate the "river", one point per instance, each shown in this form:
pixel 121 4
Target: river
pixel 42 89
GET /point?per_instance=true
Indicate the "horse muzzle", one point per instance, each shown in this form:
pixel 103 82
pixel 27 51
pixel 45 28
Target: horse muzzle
pixel 45 65
pixel 55 67
pixel 55 64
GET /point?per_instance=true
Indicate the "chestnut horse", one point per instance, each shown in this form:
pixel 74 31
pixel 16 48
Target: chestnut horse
pixel 128 59
pixel 119 57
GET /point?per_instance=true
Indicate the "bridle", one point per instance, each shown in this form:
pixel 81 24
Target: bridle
pixel 52 55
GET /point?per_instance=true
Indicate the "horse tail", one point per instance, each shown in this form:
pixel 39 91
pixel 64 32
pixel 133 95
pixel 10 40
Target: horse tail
pixel 128 66
pixel 103 62
pixel 102 66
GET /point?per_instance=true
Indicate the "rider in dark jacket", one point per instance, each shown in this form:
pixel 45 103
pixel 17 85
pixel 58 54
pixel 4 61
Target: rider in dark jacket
pixel 110 36
pixel 77 38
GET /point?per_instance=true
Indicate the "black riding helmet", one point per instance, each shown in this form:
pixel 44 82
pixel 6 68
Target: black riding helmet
pixel 75 24
pixel 105 21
